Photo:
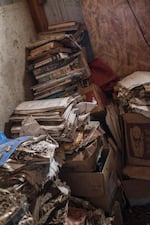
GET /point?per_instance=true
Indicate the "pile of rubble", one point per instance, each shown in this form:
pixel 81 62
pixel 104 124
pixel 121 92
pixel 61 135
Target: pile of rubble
pixel 31 191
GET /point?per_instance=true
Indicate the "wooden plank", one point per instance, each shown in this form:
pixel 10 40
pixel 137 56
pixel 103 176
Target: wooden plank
pixel 64 25
pixel 115 35
pixel 38 15
pixel 59 11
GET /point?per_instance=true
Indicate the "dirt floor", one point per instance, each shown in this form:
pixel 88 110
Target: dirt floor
pixel 137 215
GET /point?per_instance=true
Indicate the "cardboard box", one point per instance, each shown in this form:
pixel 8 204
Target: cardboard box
pixel 89 161
pixel 97 187
pixel 137 139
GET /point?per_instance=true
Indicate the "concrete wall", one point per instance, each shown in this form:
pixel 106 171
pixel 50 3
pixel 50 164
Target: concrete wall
pixel 16 32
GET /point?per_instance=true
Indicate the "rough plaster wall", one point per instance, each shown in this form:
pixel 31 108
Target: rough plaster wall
pixel 16 32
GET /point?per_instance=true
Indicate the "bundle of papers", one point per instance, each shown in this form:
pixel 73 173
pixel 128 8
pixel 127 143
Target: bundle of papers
pixel 60 117
pixel 58 67
pixel 31 192
pixel 79 139
pixel 134 91
pixel 51 204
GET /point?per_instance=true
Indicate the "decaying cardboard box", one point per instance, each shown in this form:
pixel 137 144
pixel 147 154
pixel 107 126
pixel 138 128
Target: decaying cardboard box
pixel 137 138
pixel 86 161
pixel 97 187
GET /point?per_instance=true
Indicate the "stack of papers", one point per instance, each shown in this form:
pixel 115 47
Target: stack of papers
pixel 62 118
pixel 59 67
pixel 134 91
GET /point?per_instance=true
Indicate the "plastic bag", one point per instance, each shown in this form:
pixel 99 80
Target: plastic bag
pixel 3 138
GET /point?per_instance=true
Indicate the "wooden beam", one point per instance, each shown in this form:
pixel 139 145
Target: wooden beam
pixel 38 15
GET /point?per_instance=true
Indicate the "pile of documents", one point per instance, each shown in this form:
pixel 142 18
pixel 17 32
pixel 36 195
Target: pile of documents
pixel 133 93
pixel 58 66
pixel 79 145
pixel 51 133
pixel 58 31
pixel 67 121
pixel 59 117
pixel 26 200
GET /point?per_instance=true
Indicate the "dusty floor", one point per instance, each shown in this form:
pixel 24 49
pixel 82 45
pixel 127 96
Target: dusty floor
pixel 138 215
